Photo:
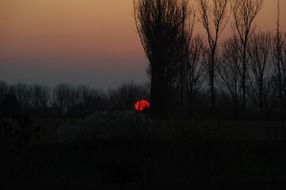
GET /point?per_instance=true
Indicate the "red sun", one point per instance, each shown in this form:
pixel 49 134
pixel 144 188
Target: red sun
pixel 141 105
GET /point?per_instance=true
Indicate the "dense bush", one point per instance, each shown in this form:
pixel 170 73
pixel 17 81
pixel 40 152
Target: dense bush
pixel 19 132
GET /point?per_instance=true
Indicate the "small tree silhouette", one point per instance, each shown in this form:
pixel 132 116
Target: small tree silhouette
pixel 279 64
pixel 195 75
pixel 3 90
pixel 229 72
pixel 40 98
pixel 214 18
pixel 244 13
pixel 65 97
pixel 260 68
pixel 23 93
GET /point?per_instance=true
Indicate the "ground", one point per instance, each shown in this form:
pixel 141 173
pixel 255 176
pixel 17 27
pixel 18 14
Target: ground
pixel 183 157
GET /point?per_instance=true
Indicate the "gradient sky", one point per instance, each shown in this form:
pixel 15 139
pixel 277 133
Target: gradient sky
pixel 92 42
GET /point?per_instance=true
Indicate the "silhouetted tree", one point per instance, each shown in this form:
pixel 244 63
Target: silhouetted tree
pixel 3 90
pixel 85 99
pixel 186 48
pixel 98 100
pixel 65 97
pixel 91 100
pixel 229 71
pixel 214 16
pixel 279 64
pixel 260 67
pixel 124 97
pixel 194 71
pixel 244 13
pixel 161 27
pixel 73 101
pixel 40 97
pixel 23 94
pixel 59 97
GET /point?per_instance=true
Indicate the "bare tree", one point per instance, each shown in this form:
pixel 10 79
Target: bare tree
pixel 60 93
pixel 279 64
pixel 65 97
pixel 229 71
pixel 161 26
pixel 73 100
pixel 194 70
pixel 124 97
pixel 214 16
pixel 3 90
pixel 23 94
pixel 260 67
pixel 95 100
pixel 186 47
pixel 40 97
pixel 244 13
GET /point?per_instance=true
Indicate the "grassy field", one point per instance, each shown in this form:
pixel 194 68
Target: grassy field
pixel 133 152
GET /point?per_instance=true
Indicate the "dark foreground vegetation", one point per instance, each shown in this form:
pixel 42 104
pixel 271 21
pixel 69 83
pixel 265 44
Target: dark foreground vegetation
pixel 129 150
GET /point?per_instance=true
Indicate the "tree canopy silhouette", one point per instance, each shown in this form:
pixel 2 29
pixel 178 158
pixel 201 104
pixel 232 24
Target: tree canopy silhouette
pixel 161 25
pixel 244 13
pixel 214 18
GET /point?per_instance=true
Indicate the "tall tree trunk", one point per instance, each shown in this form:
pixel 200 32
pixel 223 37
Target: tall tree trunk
pixel 244 81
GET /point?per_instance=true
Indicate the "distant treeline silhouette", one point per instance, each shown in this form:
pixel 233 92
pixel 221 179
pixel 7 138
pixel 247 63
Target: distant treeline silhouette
pixel 245 73
pixel 65 100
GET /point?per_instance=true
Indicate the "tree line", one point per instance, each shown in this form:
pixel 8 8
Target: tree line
pixel 244 74
pixel 65 100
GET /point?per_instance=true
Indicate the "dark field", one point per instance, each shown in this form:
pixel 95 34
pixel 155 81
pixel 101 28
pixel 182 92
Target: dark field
pixel 147 166
pixel 136 153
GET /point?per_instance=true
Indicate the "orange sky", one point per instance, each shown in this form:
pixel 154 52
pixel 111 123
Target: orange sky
pixel 68 26
pixel 83 35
